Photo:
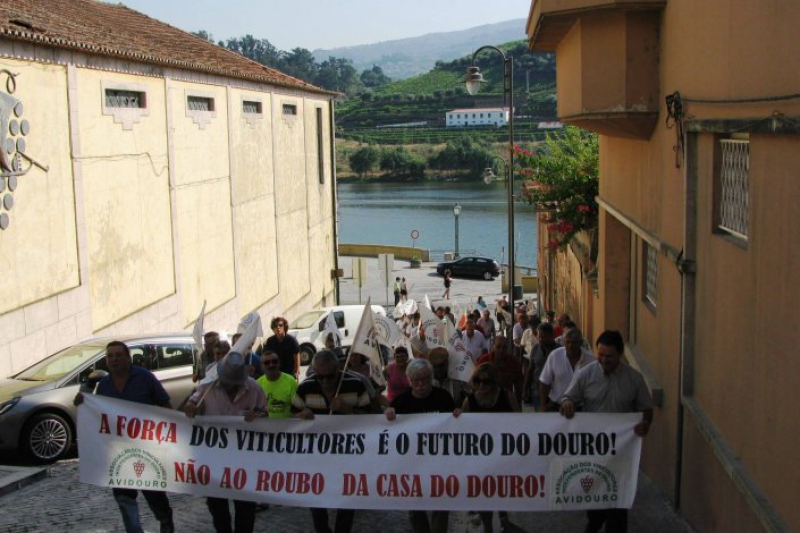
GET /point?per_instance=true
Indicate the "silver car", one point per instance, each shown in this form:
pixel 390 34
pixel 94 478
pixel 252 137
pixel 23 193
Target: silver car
pixel 37 416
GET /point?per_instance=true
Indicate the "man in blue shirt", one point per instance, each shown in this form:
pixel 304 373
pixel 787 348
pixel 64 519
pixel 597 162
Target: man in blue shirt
pixel 134 384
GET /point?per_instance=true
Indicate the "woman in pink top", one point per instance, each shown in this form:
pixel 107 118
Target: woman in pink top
pixel 395 373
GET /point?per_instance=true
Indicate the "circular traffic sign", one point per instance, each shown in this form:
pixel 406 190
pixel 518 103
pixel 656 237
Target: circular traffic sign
pixel 414 234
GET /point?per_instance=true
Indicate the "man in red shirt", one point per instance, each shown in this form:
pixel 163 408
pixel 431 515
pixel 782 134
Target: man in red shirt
pixel 509 368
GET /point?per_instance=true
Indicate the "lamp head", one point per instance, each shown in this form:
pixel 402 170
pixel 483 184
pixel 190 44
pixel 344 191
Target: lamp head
pixel 457 209
pixel 473 80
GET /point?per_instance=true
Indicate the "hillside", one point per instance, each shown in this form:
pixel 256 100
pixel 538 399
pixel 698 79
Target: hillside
pixel 426 97
pixel 403 58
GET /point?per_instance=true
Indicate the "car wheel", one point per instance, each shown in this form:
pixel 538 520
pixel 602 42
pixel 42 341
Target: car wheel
pixel 46 437
pixel 487 276
pixel 306 354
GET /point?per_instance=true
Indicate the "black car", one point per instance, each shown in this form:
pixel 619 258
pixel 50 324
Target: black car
pixel 472 266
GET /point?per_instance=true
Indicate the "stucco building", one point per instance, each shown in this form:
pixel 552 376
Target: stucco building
pixel 145 171
pixel 698 112
pixel 477 116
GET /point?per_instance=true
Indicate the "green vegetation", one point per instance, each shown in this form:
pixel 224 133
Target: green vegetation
pixel 563 177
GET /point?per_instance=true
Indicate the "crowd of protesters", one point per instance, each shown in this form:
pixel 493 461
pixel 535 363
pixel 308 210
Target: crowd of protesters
pixel 519 359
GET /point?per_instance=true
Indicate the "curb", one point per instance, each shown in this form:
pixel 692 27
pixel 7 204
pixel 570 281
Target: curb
pixel 15 477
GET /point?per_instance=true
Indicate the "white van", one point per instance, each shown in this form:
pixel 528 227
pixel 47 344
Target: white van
pixel 307 326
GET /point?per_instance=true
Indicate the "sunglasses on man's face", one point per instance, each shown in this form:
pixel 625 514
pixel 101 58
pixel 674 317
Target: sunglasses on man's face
pixel 268 362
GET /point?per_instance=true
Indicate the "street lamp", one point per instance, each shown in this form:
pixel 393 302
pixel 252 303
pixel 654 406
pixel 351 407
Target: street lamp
pixel 473 80
pixel 456 212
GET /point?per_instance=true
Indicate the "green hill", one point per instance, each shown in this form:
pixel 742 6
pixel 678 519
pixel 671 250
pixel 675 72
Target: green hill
pixel 426 98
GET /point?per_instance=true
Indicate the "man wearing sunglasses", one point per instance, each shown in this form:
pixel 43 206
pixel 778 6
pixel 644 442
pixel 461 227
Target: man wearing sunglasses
pixel 278 386
pixel 317 395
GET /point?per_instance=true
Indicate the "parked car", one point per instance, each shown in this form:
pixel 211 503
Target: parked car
pixel 306 329
pixel 37 416
pixel 471 266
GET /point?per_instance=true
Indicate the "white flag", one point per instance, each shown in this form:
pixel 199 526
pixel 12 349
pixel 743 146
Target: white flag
pixel 434 328
pixel 386 330
pixel 366 344
pixel 197 335
pixel 428 303
pixel 248 336
pixel 248 319
pixel 460 363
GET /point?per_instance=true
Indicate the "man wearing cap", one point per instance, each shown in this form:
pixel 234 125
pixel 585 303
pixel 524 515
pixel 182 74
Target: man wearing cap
pixel 233 393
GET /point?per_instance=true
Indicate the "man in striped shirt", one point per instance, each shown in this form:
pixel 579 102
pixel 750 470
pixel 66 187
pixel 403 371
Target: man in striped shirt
pixel 317 395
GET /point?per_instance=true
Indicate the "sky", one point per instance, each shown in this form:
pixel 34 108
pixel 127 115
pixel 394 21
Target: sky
pixel 314 24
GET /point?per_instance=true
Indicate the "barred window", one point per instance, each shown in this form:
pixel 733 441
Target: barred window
pixel 253 108
pixel 200 103
pixel 289 109
pixel 650 274
pixel 733 210
pixel 128 99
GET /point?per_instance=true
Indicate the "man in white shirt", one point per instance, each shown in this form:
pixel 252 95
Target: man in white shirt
pixel 561 365
pixel 474 340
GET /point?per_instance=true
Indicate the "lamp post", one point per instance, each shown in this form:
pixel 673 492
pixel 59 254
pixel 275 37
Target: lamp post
pixel 456 212
pixel 473 80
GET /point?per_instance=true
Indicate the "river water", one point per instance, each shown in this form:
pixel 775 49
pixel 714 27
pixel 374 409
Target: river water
pixel 386 213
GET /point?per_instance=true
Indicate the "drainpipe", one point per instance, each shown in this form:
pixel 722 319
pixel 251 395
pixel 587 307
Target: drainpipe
pixel 686 267
pixel 335 205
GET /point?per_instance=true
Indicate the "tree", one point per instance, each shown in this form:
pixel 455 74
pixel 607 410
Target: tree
pixel 374 77
pixel 364 160
pixel 259 50
pixel 300 63
pixel 563 177
pixel 203 34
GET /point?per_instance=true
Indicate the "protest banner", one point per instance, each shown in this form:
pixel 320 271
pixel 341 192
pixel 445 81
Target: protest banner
pixel 479 461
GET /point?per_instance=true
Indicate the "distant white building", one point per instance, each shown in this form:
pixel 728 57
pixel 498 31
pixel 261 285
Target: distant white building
pixel 477 116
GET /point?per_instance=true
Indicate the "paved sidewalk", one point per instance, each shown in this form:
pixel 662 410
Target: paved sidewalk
pixel 60 502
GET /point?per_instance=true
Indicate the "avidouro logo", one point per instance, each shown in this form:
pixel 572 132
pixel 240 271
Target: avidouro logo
pixel 137 469
pixel 584 485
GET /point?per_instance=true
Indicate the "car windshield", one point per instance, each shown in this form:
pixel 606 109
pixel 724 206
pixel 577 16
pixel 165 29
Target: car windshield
pixel 61 363
pixel 307 320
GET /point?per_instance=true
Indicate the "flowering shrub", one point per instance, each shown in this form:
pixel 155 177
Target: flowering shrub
pixel 563 180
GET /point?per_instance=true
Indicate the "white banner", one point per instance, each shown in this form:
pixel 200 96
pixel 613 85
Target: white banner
pixel 496 461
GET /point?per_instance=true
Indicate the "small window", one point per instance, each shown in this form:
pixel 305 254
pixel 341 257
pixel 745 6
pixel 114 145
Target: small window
pixel 338 316
pixel 173 355
pixel 320 148
pixel 289 109
pixel 251 108
pixel 200 103
pixel 650 274
pixel 126 99
pixel 733 188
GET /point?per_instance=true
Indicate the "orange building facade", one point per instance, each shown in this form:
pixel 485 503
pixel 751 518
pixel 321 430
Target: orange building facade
pixel 698 112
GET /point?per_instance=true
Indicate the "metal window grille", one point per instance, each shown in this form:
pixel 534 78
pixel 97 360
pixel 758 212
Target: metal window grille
pixel 734 197
pixel 200 103
pixel 117 98
pixel 651 274
pixel 289 109
pixel 251 107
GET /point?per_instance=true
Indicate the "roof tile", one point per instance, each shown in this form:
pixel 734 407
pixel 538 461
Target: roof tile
pixel 117 31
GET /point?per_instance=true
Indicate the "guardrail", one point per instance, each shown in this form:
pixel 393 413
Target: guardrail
pixel 372 250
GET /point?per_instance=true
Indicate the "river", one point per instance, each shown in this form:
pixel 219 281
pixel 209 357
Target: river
pixel 386 213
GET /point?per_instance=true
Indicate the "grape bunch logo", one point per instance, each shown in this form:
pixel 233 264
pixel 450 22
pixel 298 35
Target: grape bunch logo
pixel 582 484
pixel 138 469
pixel 15 161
